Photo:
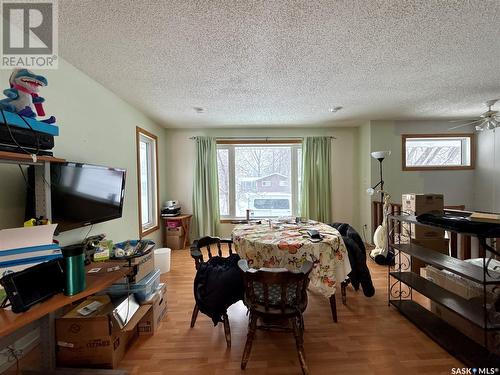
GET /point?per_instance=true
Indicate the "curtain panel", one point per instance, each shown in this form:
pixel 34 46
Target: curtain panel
pixel 205 189
pixel 316 192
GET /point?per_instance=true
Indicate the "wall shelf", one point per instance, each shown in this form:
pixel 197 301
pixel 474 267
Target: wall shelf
pixel 18 158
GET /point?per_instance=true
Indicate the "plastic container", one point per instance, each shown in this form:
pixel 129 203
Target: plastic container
pixel 173 223
pixel 162 259
pixel 142 290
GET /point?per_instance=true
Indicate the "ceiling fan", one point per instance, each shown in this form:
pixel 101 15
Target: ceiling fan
pixel 488 120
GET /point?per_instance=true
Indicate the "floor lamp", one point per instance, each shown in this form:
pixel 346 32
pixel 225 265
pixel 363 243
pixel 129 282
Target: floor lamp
pixel 380 156
pixel 380 253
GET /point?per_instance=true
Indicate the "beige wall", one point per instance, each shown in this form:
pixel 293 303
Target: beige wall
pixel 487 173
pixel 456 185
pixel 181 153
pixel 364 177
pixel 95 127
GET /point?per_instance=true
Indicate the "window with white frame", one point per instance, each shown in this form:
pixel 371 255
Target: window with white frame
pixel 147 174
pixel 262 177
pixel 436 151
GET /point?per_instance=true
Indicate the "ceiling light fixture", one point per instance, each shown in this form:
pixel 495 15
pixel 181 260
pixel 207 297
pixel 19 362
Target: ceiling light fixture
pixel 336 109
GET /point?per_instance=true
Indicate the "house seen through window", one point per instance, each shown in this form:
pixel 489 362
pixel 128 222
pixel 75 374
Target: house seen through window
pixel 261 177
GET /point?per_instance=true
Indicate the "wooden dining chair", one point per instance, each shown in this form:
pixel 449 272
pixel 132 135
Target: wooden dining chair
pixel 276 294
pixel 202 250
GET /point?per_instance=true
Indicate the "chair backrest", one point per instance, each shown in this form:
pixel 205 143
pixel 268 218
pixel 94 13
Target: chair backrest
pixel 276 290
pixel 212 246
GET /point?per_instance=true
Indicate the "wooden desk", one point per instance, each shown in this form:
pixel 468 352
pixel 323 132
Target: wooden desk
pixel 10 322
pixel 185 221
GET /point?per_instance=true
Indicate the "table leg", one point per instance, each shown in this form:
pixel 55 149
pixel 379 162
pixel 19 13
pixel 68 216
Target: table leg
pixel 185 226
pixel 333 307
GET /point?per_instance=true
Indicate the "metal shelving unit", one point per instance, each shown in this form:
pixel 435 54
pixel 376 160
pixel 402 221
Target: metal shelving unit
pixel 402 282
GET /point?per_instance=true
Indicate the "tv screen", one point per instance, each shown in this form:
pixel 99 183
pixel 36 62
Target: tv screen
pixel 84 194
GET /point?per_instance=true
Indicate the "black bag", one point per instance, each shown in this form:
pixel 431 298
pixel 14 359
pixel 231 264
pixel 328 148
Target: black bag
pixel 217 285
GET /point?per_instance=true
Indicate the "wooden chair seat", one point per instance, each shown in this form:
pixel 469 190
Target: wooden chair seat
pixel 276 295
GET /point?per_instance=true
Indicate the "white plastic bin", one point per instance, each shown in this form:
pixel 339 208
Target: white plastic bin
pixel 162 259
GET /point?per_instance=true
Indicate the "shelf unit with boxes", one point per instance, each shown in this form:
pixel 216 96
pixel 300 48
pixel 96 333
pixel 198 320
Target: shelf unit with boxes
pixel 478 346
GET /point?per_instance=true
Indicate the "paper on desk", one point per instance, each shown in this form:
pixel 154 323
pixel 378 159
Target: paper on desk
pixel 15 238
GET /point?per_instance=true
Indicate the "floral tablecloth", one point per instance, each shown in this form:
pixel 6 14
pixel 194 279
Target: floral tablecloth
pixel 288 245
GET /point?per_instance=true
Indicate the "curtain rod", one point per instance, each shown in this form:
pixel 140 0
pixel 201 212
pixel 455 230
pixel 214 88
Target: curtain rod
pixel 263 138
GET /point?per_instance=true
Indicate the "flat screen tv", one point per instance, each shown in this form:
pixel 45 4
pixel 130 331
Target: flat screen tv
pixel 84 194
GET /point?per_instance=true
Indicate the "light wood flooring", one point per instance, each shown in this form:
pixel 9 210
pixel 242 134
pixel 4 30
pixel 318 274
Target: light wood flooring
pixel 370 337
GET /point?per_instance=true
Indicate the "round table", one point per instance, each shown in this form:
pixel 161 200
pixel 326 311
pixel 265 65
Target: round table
pixel 288 245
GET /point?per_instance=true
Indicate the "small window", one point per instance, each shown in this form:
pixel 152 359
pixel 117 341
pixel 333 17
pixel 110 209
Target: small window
pixel 266 183
pixel 438 151
pixel 147 175
pixel 283 183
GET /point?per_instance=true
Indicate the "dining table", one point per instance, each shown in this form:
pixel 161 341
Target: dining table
pixel 286 243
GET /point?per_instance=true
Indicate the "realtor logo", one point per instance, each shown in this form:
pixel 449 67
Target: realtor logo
pixel 29 34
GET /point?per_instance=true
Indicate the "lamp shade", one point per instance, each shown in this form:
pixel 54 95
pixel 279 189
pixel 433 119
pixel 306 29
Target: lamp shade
pixel 380 154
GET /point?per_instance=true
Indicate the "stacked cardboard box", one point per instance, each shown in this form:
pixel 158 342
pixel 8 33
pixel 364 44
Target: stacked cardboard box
pixel 143 265
pixel 428 237
pixel 95 340
pixel 174 237
pixel 152 320
pixel 418 204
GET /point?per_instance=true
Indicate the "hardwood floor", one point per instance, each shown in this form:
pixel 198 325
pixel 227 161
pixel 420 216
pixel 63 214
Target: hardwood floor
pixel 370 337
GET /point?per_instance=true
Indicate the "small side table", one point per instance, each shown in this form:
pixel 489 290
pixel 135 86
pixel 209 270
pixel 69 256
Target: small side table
pixel 185 221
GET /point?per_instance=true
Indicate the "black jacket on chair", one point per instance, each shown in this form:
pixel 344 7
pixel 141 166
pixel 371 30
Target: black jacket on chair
pixel 217 285
pixel 360 274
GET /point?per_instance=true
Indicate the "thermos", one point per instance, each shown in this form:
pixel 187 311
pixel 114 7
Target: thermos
pixel 74 269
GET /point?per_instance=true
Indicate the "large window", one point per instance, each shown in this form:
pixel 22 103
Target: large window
pixel 438 151
pixel 147 175
pixel 262 177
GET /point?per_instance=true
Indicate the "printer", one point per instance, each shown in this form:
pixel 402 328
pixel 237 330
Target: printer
pixel 171 208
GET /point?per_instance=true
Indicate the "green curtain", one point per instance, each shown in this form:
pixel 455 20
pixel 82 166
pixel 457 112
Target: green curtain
pixel 205 189
pixel 316 191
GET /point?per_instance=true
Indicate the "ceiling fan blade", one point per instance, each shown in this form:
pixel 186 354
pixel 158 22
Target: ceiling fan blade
pixel 467 124
pixel 462 120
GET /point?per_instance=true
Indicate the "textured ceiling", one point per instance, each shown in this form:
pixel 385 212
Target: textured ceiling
pixel 287 62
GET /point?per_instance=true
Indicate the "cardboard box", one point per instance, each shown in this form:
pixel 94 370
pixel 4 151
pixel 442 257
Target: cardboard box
pixel 441 245
pixel 414 231
pixel 467 327
pixel 152 320
pixel 174 231
pixel 417 204
pixel 464 289
pixel 175 242
pixel 95 340
pixel 143 266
